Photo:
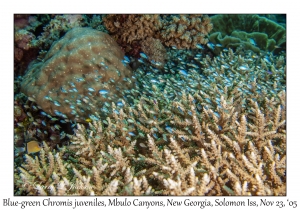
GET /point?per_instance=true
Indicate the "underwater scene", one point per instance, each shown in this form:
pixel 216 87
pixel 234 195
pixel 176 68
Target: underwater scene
pixel 159 104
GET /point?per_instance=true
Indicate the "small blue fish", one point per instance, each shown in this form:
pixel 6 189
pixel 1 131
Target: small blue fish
pixel 80 79
pixel 217 114
pixel 211 46
pixel 208 100
pixel 63 90
pixel 43 113
pixel 126 58
pixel 120 104
pixel 157 63
pixel 154 81
pixel 141 60
pixel 183 72
pixel 103 92
pixel 72 84
pixel 116 111
pixel 62 135
pixel 143 55
pixel 104 109
pixel 57 112
pixel 199 46
pixel 252 41
pixel 31 99
pixel 169 129
pixel 56 103
pixel 125 62
pixel 91 89
pixel 57 127
pixel 174 47
pixel 131 133
pixel 219 45
pixel 182 138
pixel 44 123
pixel 243 68
pixel 194 65
pixel 225 66
pixel 180 110
pixel 267 59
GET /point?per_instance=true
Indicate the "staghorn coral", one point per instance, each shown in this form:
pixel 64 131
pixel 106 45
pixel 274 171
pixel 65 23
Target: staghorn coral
pixel 203 126
pixel 98 171
pixel 218 130
pixel 185 31
pixel 73 72
pixel 248 159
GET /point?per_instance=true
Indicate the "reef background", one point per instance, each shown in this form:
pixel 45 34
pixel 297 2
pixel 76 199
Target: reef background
pixel 204 114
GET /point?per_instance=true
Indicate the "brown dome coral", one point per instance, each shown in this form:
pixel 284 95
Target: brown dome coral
pixel 81 72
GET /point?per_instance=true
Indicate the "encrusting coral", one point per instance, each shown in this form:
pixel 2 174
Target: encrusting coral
pixel 252 31
pixel 85 67
pixel 221 133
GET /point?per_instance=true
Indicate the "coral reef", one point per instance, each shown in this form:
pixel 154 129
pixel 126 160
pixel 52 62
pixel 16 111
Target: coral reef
pixel 182 31
pixel 24 51
pixel 247 158
pixel 56 28
pixel 185 31
pixel 130 28
pixel 83 68
pixel 218 130
pixel 252 31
